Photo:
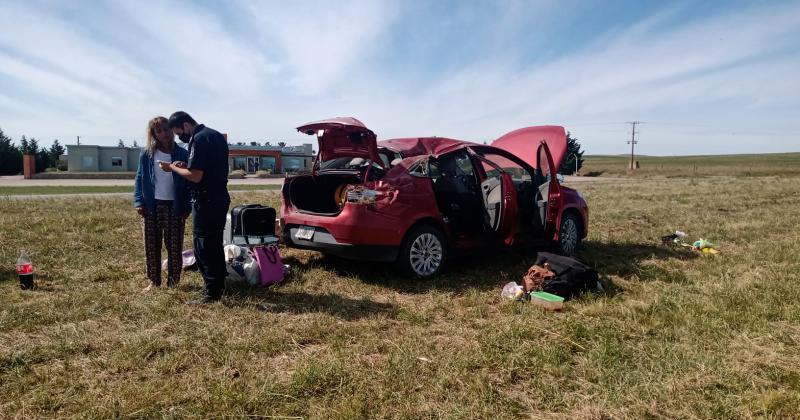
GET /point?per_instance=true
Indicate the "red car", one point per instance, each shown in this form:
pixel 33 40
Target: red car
pixel 420 201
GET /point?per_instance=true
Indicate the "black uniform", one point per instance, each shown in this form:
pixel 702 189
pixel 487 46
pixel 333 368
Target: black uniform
pixel 208 152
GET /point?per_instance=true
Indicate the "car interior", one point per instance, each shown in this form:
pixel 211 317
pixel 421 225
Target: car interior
pixel 458 195
pixel 473 207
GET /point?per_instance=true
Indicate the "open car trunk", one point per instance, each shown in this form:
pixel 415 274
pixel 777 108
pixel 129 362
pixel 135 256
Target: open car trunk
pixel 321 194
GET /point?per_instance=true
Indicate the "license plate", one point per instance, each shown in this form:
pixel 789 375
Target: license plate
pixel 305 233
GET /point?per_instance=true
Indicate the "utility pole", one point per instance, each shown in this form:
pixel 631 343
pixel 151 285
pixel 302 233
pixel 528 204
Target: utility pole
pixel 633 141
pixel 79 140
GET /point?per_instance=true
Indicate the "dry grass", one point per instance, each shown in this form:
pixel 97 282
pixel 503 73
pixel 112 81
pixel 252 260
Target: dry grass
pixel 783 164
pixel 674 336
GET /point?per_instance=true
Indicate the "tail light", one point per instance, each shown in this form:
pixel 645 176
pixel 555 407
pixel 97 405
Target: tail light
pixel 361 195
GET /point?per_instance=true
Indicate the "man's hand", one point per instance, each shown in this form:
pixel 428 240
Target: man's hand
pixel 179 164
pixel 141 211
pixel 165 166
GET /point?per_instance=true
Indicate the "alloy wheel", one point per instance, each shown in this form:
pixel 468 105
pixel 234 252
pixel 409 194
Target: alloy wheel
pixel 569 236
pixel 426 254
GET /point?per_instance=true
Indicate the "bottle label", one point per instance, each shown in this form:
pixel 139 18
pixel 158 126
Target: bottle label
pixel 24 269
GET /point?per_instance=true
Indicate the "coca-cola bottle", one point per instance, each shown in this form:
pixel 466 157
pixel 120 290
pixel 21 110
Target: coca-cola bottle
pixel 25 271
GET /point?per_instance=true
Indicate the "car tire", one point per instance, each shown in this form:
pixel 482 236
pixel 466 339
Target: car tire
pixel 424 252
pixel 569 234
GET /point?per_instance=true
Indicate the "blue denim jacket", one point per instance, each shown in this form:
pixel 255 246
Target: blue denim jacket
pixel 144 192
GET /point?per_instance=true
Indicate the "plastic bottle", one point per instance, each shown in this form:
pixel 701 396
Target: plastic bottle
pixel 25 271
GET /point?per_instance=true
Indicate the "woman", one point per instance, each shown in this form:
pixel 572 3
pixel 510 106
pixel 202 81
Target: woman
pixel 162 199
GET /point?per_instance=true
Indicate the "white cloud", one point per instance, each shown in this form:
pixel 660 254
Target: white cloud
pixel 257 69
pixel 320 45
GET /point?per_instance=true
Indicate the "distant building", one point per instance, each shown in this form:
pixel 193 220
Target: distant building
pixel 276 159
pixel 297 158
pixel 87 158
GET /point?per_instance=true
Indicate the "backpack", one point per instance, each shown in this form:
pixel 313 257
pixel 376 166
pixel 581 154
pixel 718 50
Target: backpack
pixel 572 277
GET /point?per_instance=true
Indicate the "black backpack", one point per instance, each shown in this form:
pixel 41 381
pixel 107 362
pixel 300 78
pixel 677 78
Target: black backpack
pixel 572 277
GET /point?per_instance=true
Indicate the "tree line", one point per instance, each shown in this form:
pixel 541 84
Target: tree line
pixel 11 154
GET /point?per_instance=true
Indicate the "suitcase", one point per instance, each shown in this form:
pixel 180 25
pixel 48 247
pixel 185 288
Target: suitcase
pixel 250 224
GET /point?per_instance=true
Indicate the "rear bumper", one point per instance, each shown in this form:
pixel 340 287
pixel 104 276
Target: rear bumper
pixel 323 241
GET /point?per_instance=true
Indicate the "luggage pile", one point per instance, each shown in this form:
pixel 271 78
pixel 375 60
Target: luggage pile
pixel 251 246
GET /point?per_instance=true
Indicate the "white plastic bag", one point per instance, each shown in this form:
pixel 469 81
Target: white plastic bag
pixel 512 291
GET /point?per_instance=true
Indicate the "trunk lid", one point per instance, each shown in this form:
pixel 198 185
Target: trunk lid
pixel 343 137
pixel 524 143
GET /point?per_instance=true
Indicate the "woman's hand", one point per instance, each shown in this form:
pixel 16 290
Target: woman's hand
pixel 140 211
pixel 165 166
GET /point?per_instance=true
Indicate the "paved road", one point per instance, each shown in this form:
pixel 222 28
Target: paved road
pixel 18 181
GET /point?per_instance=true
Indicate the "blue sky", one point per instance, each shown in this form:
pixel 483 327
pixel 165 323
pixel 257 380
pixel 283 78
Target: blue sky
pixel 705 77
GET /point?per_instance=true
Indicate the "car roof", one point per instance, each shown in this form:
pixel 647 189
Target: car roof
pixel 417 146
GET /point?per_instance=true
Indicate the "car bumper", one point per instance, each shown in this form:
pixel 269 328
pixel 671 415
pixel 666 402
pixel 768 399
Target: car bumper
pixel 323 241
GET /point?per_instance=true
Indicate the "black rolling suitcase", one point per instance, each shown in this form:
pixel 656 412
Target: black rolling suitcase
pixel 252 224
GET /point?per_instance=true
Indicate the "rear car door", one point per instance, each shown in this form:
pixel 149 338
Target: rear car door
pixel 549 198
pixel 499 197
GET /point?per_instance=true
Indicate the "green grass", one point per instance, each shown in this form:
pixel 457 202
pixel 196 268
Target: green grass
pixel 674 336
pixel 46 190
pixel 787 164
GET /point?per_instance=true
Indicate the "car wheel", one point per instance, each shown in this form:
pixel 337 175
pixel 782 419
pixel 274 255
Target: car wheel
pixel 424 252
pixel 569 236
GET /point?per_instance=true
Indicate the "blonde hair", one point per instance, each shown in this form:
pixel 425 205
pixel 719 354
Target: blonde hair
pixel 152 142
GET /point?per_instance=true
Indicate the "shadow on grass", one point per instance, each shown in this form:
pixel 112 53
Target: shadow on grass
pixel 625 260
pixel 298 303
pixel 484 270
pixel 491 268
pixel 7 274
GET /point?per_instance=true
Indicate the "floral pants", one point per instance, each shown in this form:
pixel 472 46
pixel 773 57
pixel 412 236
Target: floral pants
pixel 166 226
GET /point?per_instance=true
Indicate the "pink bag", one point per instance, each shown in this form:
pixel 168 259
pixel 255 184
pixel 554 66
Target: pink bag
pixel 270 263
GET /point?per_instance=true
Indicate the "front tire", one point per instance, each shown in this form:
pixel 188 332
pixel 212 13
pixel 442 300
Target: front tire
pixel 569 235
pixel 424 252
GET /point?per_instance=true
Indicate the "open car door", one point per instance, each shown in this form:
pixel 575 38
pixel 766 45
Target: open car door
pixel 500 200
pixel 548 199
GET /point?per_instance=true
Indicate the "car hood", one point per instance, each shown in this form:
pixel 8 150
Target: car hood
pixel 524 143
pixel 343 137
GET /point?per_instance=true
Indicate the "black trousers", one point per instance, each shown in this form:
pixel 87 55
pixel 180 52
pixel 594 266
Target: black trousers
pixel 209 223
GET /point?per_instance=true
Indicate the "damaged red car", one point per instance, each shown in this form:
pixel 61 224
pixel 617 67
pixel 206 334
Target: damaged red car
pixel 421 201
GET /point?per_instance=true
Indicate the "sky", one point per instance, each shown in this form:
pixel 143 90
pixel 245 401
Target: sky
pixel 711 77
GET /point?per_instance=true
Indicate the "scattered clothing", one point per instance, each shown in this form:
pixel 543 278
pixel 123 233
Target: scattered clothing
pixel 572 277
pixel 536 276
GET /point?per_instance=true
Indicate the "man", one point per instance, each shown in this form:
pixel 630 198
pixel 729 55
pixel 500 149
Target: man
pixel 207 170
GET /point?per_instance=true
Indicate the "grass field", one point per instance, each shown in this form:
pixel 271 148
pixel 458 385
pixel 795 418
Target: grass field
pixel 693 166
pixel 42 190
pixel 674 335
